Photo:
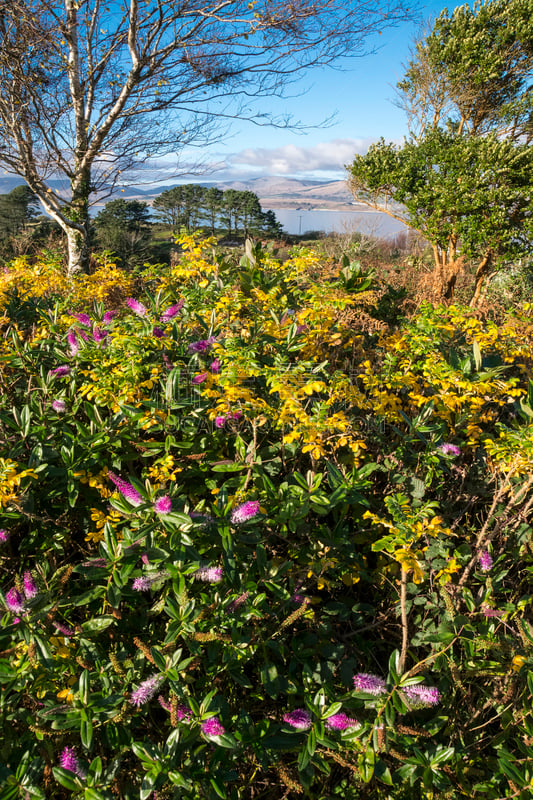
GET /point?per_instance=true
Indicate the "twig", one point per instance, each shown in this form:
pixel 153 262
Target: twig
pixel 405 629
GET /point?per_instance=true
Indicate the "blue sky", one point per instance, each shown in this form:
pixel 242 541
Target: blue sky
pixel 361 98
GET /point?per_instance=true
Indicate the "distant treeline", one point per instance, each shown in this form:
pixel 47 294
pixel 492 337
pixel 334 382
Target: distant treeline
pixel 193 206
pixel 128 228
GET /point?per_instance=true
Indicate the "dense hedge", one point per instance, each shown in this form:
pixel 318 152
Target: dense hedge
pixel 251 547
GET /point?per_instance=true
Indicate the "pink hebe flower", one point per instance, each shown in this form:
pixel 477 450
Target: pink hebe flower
pixel 30 587
pixel 245 511
pixel 199 378
pixel 299 719
pixel 372 684
pixel 202 346
pixel 142 584
pixel 212 727
pixel 74 345
pixel 4 535
pixel 69 760
pixel 485 560
pixel 172 311
pixel 450 449
pixel 146 691
pixel 15 601
pixel 136 307
pixel 108 317
pixel 126 489
pixel 83 319
pixel 209 574
pixel 163 505
pixel 59 372
pixel 426 695
pixel 99 335
pixel 59 406
pixel 340 722
pixel 66 630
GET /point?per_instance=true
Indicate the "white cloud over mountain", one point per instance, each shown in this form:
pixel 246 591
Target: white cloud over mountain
pixel 324 157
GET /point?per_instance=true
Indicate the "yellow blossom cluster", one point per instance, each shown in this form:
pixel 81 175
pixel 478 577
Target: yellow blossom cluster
pixel 11 479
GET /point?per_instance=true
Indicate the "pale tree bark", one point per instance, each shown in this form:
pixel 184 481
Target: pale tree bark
pixel 483 269
pixel 89 89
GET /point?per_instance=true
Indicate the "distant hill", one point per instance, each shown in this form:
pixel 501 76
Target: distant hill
pixel 273 192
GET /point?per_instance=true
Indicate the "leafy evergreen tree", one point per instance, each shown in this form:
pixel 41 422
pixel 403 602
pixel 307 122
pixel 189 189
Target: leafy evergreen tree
pixel 463 178
pixel 213 203
pixel 123 226
pixel 17 208
pixel 169 206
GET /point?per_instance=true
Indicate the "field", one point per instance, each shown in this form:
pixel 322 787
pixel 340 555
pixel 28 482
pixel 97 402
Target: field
pixel 264 533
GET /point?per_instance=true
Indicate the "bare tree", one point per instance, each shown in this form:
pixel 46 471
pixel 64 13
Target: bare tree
pixel 89 88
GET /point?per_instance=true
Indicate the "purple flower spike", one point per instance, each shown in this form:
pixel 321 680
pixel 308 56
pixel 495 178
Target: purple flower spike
pixel 30 588
pixel 163 505
pixel 485 561
pixel 146 691
pixel 99 335
pixel 145 583
pixel 371 684
pixel 212 727
pixel 235 604
pixel 425 695
pixel 163 703
pixel 199 378
pixel 74 345
pixel 172 312
pixel 69 760
pixel 137 307
pixel 59 372
pixel 66 630
pixel 209 574
pixel 245 512
pixel 202 346
pixel 299 719
pixel 108 317
pixel 158 332
pixel 450 449
pixel 15 601
pixel 340 722
pixel 215 366
pixel 59 406
pixel 4 536
pixel 83 319
pixel 126 489
pixel 492 612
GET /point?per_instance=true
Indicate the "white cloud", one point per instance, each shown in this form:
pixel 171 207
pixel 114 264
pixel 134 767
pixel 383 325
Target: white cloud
pixel 324 157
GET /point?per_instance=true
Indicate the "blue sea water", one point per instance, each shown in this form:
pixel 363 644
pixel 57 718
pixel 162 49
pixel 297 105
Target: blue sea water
pixel 298 221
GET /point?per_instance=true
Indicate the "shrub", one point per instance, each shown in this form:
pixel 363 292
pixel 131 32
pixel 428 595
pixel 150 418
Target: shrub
pixel 249 551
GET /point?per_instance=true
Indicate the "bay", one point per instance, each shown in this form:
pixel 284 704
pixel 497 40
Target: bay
pixel 371 223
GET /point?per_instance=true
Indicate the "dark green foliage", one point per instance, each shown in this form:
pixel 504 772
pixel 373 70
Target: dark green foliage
pixel 237 213
pixel 463 178
pixel 123 227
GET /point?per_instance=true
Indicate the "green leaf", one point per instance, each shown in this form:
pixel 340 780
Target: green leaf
pixel 477 355
pixel 93 794
pixel 86 733
pixel 218 787
pixel 84 686
pixel 67 779
pixel 95 768
pixel 98 624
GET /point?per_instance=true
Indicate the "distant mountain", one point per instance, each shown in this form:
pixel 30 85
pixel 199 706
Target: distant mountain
pixel 273 192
